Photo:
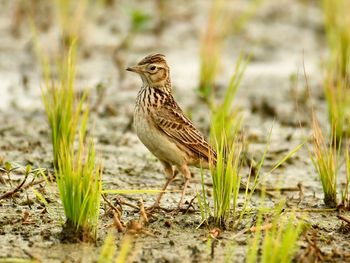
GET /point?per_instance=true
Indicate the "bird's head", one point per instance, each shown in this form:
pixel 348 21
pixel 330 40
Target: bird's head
pixel 153 70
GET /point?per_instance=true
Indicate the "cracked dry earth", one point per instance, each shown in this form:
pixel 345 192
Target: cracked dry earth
pixel 281 37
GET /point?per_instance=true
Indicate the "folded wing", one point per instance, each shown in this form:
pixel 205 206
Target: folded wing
pixel 171 120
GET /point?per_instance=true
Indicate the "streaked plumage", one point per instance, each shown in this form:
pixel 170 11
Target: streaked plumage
pixel 162 126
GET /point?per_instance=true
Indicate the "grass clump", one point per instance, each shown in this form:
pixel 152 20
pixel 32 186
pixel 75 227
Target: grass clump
pixel 226 121
pixel 325 159
pixel 78 177
pixel 345 197
pixel 275 239
pixel 337 25
pixel 71 15
pixel 337 95
pixel 79 185
pixel 225 126
pixel 63 109
pixel 108 251
pixel 211 45
pixel 336 83
pixel 226 181
pixel 220 24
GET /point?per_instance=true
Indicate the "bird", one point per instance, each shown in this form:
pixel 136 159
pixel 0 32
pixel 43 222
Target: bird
pixel 162 126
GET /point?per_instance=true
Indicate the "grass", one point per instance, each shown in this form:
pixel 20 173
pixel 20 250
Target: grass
pixel 220 22
pixel 226 122
pixel 325 159
pixel 63 109
pixel 225 125
pixel 337 95
pixel 108 251
pixel 275 240
pixel 226 119
pixel 337 25
pixel 210 49
pixel 78 177
pixel 227 184
pixel 70 15
pixel 226 181
pixel 336 83
pixel 79 185
pixel 345 197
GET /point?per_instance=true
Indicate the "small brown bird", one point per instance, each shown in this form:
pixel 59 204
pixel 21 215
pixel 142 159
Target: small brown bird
pixel 162 126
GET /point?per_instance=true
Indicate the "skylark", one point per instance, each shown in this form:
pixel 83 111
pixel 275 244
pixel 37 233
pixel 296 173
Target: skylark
pixel 162 126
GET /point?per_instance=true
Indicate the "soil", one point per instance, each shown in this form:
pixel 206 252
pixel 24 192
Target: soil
pixel 282 37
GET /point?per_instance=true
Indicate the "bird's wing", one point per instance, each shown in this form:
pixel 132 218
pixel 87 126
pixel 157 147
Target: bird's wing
pixel 171 120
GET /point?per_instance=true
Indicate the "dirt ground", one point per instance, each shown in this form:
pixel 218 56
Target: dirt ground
pixel 281 36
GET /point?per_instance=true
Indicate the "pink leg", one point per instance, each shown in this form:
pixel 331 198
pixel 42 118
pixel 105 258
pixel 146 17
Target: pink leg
pixel 168 169
pixel 187 174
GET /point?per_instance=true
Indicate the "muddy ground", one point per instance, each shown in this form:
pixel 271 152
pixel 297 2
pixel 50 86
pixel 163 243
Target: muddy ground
pixel 281 36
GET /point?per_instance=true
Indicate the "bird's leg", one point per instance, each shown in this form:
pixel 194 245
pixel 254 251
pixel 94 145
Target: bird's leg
pixel 187 174
pixel 168 169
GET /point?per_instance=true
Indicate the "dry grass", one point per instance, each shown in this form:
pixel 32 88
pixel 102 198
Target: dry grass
pixel 325 159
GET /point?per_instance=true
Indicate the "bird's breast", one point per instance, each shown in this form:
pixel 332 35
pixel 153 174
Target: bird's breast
pixel 158 143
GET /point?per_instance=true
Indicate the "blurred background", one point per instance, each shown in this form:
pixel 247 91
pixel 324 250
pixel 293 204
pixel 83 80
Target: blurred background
pixel 279 52
pixel 201 39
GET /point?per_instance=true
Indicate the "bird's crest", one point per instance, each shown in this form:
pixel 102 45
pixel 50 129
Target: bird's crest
pixel 153 58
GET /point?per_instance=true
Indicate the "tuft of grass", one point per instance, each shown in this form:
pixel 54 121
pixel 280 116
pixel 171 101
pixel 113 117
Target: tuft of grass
pixel 226 173
pixel 220 23
pixel 226 181
pixel 210 49
pixel 108 250
pixel 345 197
pixel 226 119
pixel 125 249
pixel 275 240
pixel 337 25
pixel 70 15
pixel 338 104
pixel 225 126
pixel 79 184
pixel 325 159
pixel 78 177
pixel 63 109
pixel 336 83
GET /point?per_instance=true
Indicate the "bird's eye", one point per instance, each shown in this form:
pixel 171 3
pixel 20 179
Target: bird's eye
pixel 152 67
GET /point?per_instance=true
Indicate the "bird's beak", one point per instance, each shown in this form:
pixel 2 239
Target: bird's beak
pixel 135 68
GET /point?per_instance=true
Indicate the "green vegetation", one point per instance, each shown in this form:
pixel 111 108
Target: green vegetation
pixel 337 25
pixel 226 181
pixel 220 23
pixel 211 45
pixel 336 80
pixel 345 197
pixel 337 95
pixel 70 15
pixel 226 120
pixel 225 133
pixel 326 162
pixel 78 176
pixel 225 125
pixel 64 111
pixel 108 250
pixel 79 184
pixel 275 239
